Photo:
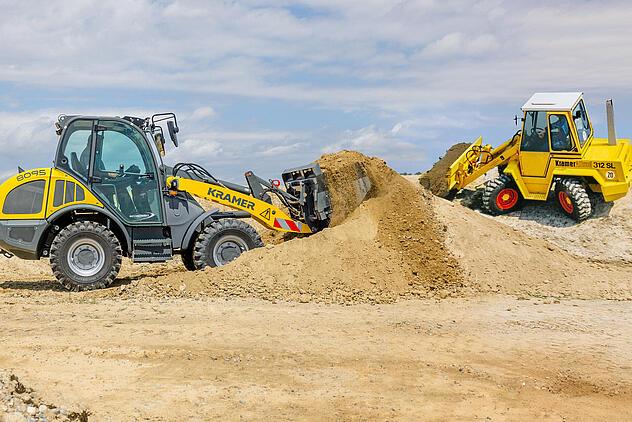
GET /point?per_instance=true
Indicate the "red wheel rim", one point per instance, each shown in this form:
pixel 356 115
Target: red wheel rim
pixel 565 202
pixel 507 199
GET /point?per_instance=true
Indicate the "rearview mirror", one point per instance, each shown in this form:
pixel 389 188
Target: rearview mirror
pixel 518 119
pixel 173 132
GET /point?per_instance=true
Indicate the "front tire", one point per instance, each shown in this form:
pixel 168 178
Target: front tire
pixel 187 260
pixel 224 241
pixel 501 196
pixel 573 199
pixel 85 256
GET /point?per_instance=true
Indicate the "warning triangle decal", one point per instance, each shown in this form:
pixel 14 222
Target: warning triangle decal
pixel 266 214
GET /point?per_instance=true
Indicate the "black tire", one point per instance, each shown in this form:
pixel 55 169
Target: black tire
pixel 573 199
pixel 223 241
pixel 495 192
pixel 187 260
pixel 86 241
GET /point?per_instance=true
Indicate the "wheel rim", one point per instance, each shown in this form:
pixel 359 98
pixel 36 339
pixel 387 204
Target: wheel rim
pixel 86 257
pixel 228 248
pixel 507 199
pixel 565 202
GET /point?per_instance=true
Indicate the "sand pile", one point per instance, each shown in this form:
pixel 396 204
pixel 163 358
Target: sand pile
pixel 435 179
pixel 498 259
pixel 389 247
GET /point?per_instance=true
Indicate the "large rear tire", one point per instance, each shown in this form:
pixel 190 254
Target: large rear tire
pixel 85 256
pixel 573 199
pixel 501 196
pixel 224 241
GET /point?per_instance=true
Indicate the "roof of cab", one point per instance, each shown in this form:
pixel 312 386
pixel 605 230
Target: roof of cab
pixel 552 101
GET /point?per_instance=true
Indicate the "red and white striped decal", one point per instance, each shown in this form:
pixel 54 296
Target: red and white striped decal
pixel 290 225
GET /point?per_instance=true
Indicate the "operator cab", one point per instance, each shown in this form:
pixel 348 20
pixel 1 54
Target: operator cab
pixel 117 162
pixel 553 123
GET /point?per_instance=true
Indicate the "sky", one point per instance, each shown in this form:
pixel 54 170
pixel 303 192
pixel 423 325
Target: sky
pixel 265 85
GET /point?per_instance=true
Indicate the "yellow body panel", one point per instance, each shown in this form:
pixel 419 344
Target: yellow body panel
pixel 50 177
pixel 58 175
pixel 533 164
pixel 19 180
pixel 267 214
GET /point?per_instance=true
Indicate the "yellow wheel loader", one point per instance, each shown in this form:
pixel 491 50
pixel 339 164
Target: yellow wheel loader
pixel 555 152
pixel 109 195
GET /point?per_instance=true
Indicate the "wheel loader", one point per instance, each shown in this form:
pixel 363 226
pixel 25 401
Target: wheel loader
pixel 109 195
pixel 554 153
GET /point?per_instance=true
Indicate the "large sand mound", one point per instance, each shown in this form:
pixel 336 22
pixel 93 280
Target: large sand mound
pixel 389 247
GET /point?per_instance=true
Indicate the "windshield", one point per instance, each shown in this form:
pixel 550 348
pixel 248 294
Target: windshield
pixel 581 122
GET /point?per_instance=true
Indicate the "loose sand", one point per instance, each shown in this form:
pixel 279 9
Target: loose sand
pixel 435 179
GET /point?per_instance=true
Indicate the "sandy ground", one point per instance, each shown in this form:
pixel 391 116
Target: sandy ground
pixel 501 258
pixel 529 336
pixel 457 359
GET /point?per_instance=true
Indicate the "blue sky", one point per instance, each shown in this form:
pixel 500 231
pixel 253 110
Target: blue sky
pixel 264 84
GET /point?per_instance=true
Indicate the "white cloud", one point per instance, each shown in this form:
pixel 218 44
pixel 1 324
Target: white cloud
pixel 353 54
pixel 203 113
pixel 27 140
pixel 371 140
pixel 458 44
pixel 280 151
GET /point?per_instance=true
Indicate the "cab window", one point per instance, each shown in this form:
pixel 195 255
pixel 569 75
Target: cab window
pixel 75 149
pixel 535 136
pixel 121 150
pixel 582 124
pixel 560 133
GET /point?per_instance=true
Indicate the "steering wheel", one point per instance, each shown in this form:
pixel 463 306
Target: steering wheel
pixel 131 175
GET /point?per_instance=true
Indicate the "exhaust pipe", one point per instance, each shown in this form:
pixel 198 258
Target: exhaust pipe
pixel 612 136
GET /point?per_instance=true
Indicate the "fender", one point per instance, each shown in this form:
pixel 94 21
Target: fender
pixel 60 213
pixel 188 236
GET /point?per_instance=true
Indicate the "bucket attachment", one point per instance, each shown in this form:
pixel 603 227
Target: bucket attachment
pixel 307 184
pixel 477 160
pixel 466 164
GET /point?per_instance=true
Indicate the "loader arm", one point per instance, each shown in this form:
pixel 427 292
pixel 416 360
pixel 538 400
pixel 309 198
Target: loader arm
pixel 478 159
pixel 264 212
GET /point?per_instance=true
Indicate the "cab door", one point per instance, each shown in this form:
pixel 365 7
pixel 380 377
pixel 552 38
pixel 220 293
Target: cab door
pixel 123 173
pixel 534 147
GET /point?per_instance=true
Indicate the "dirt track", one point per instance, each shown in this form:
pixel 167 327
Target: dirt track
pixel 513 343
